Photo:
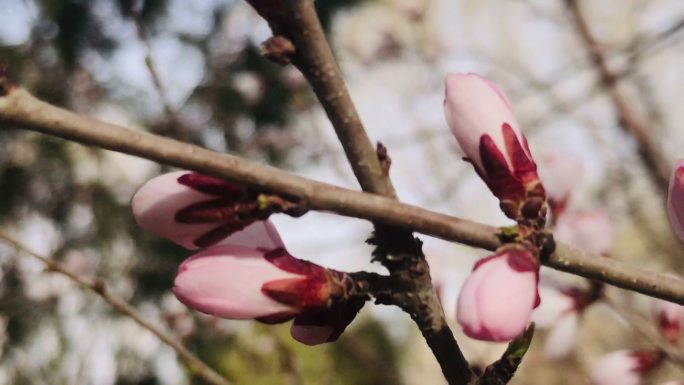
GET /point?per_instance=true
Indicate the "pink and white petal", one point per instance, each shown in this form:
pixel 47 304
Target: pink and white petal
pixel 590 231
pixel 155 205
pixel 560 172
pixel 226 281
pixel 258 235
pixel 616 368
pixel 507 295
pixel 475 106
pixel 467 313
pixel 554 305
pixel 562 337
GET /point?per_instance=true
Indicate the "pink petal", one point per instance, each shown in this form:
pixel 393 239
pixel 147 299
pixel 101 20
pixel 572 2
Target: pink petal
pixel 590 231
pixel 675 200
pixel 155 205
pixel 554 305
pixel 616 368
pixel 496 301
pixel 669 317
pixel 259 235
pixel 473 107
pixel 226 281
pixel 560 173
pixel 562 337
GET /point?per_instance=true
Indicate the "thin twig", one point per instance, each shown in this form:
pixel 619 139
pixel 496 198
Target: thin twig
pixel 195 365
pixel 19 109
pixel 152 67
pixel 631 123
pixel 645 327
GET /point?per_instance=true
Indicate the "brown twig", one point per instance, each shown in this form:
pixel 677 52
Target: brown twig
pixel 315 59
pixel 645 327
pixel 149 60
pixel 195 365
pixel 18 108
pixel 631 123
pixel 313 56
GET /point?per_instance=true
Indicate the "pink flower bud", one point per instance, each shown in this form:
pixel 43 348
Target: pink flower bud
pixel 192 209
pixel 562 336
pixel 669 316
pixel 481 118
pixel 675 200
pixel 560 171
pixel 624 367
pixel 590 231
pixel 496 300
pixel 239 282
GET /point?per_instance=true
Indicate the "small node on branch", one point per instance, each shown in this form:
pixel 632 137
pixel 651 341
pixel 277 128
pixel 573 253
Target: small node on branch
pixel 278 49
pixel 383 157
pixel 5 84
pixel 99 286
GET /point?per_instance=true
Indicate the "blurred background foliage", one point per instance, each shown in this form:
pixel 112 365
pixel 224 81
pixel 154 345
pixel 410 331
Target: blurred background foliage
pixel 73 202
pixel 215 90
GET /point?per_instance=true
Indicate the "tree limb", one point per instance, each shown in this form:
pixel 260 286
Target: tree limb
pixel 20 109
pixel 634 126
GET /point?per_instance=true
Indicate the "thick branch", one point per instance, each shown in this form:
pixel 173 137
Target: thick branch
pixel 21 109
pixel 405 260
pixel 627 118
pixel 315 59
pixel 195 365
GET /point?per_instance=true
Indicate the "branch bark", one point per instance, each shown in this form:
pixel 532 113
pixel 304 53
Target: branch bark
pixel 19 108
pixel 632 124
pixel 397 249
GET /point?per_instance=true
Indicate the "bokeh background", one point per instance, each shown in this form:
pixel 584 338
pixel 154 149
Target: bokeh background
pixel 214 89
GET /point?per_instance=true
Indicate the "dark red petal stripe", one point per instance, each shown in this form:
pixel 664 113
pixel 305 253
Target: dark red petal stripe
pixel 499 176
pixel 212 186
pixel 209 211
pixel 217 234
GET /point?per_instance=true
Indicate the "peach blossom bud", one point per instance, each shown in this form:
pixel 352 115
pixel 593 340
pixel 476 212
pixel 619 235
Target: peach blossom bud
pixel 675 200
pixel 590 231
pixel 562 336
pixel 238 282
pixel 497 299
pixel 624 367
pixel 194 210
pixel 560 171
pixel 481 118
pixel 669 316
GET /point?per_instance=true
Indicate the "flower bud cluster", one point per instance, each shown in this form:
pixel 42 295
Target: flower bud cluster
pixel 242 270
pixel 497 299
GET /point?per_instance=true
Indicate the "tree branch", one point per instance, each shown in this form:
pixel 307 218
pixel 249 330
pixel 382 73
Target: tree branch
pixel 644 326
pixel 195 365
pixel 629 121
pixel 396 247
pixel 21 109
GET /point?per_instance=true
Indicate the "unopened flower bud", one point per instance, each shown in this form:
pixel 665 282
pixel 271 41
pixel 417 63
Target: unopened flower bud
pixel 669 317
pixel 497 299
pixel 481 118
pixel 239 282
pixel 195 210
pixel 590 231
pixel 624 367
